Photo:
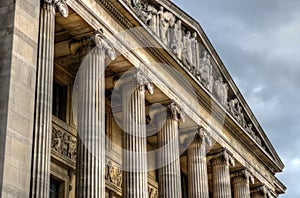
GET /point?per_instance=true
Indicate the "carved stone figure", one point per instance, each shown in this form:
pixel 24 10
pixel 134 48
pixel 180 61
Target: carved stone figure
pixel 232 107
pixel 195 52
pixel 136 3
pixel 221 91
pixel 187 56
pixel 153 193
pixel 250 131
pixel 57 140
pixel 119 178
pixel 113 174
pixel 258 140
pixel 176 39
pixel 71 147
pixel 167 19
pixel 63 143
pixel 64 146
pixel 240 116
pixel 151 19
pixel 205 67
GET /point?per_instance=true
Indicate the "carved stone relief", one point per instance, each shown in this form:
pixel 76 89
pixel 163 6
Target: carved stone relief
pixel 188 49
pixel 153 192
pixel 113 174
pixel 64 143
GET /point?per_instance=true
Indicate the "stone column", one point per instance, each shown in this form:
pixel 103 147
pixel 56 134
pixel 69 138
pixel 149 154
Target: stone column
pixel 221 176
pixel 260 192
pixel 135 171
pixel 40 175
pixel 90 177
pixel 241 183
pixel 197 166
pixel 169 178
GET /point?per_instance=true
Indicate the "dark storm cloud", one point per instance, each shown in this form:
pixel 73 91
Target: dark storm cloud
pixel 259 42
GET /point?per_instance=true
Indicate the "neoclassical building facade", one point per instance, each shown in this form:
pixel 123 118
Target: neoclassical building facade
pixel 122 98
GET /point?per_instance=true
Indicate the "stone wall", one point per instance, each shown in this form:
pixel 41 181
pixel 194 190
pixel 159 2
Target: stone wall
pixel 18 57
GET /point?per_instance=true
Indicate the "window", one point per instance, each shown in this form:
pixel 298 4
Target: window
pixel 59 101
pixel 54 188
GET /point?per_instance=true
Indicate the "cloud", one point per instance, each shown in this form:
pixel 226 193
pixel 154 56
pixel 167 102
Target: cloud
pixel 259 43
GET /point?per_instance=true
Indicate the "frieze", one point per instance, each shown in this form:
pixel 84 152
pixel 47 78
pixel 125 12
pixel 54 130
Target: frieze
pixel 199 63
pixel 113 174
pixel 113 177
pixel 64 143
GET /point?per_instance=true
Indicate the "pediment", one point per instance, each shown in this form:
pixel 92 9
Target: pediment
pixel 185 39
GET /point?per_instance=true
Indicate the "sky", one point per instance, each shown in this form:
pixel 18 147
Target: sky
pixel 259 43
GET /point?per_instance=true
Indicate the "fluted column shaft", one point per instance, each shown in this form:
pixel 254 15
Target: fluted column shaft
pixel 240 187
pixel 241 183
pixel 90 177
pixel 197 167
pixel 40 175
pixel 169 177
pixel 40 170
pixel 221 175
pixel 135 171
pixel 91 128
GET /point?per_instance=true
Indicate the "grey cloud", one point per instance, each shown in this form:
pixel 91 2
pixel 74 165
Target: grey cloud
pixel 259 43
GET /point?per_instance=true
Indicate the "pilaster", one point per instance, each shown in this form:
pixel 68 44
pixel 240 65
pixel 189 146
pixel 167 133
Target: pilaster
pixel 18 64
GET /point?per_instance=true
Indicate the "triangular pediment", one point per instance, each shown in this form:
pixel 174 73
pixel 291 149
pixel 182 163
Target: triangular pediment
pixel 182 36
